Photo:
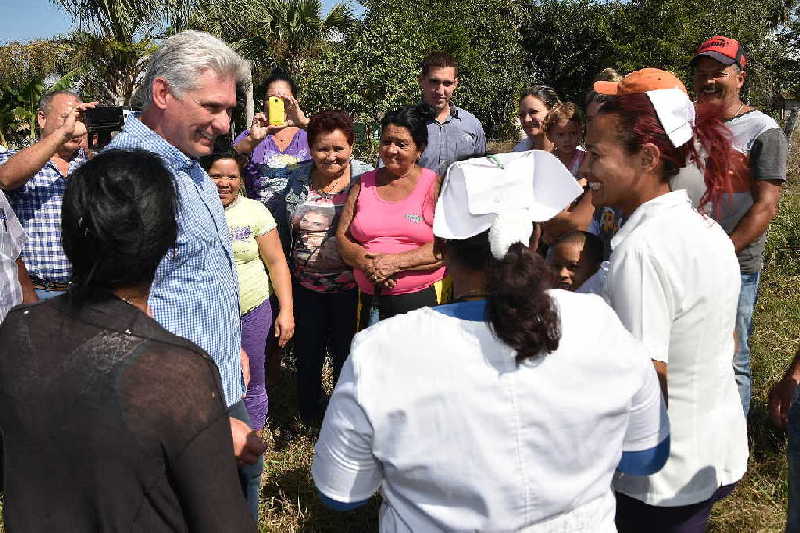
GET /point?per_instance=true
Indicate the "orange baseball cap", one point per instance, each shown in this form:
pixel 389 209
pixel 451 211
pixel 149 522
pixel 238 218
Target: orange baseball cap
pixel 640 81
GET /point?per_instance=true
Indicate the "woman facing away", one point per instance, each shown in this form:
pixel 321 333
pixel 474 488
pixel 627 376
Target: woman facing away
pixel 673 279
pixel 509 409
pixel 109 421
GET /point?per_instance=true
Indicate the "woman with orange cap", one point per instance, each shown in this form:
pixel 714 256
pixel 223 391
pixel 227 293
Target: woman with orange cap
pixel 673 279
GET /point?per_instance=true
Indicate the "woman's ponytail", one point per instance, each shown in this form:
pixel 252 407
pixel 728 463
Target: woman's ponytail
pixel 519 310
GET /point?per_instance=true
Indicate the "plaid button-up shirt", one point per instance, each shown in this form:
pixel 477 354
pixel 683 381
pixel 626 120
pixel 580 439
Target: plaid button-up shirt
pixel 195 293
pixel 11 239
pixel 37 205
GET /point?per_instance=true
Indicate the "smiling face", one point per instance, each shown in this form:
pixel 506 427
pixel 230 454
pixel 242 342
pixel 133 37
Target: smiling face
pixel 532 113
pixel 438 86
pixel 193 120
pixel 568 260
pixel 228 179
pixel 398 150
pixel 331 152
pixel 716 83
pixel 565 136
pixel 612 173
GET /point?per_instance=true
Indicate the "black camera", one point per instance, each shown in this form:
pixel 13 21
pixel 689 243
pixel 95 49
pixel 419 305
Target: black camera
pixel 102 122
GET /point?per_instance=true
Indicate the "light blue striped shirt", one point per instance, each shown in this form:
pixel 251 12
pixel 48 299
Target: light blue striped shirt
pixel 195 293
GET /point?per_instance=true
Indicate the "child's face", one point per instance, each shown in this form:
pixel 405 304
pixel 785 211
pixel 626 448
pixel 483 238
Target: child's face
pixel 564 135
pixel 570 264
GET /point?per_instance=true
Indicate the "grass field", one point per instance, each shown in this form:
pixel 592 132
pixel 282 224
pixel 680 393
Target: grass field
pixel 757 505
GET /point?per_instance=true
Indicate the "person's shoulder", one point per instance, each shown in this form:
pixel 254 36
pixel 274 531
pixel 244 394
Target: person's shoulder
pixel 360 168
pixel 393 334
pixel 523 146
pixel 301 170
pixel 468 117
pixel 766 121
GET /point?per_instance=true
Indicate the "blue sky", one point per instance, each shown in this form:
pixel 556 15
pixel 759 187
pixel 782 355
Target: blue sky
pixel 24 20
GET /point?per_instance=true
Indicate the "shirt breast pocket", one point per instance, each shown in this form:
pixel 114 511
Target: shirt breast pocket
pixel 465 144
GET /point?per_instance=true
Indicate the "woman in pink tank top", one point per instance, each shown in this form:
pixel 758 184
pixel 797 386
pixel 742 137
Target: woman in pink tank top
pixel 386 229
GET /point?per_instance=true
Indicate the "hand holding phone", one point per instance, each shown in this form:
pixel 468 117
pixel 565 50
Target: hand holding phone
pixel 276 111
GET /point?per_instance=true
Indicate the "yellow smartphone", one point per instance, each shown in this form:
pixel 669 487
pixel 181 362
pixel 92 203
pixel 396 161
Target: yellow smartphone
pixel 276 111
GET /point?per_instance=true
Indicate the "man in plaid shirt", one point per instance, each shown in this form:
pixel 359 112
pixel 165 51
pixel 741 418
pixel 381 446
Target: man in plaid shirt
pixel 188 94
pixel 35 179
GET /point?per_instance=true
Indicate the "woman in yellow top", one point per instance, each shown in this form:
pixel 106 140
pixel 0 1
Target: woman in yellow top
pixel 256 245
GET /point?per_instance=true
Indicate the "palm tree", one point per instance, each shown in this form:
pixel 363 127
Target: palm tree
pixel 114 38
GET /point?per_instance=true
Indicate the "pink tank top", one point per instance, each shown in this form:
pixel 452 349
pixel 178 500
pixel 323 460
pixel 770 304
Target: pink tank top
pixel 388 227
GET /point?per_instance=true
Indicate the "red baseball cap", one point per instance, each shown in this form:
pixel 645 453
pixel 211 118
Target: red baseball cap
pixel 723 49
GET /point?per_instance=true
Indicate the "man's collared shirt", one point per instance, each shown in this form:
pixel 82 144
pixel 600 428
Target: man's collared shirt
pixel 12 238
pixel 195 293
pixel 37 205
pixel 459 136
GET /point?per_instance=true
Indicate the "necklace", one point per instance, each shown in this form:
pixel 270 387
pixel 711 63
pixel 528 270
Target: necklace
pixel 738 110
pixel 332 187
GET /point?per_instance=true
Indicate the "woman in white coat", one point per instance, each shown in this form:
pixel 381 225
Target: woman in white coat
pixel 508 409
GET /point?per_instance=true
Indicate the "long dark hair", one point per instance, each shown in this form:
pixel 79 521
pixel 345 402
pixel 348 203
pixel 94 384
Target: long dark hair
pixel 519 310
pixel 117 221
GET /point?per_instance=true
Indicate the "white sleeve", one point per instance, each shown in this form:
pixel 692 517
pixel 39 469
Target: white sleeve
pixel 344 468
pixel 639 291
pixel 648 424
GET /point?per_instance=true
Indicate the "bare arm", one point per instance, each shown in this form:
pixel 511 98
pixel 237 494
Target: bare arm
pixel 577 217
pixel 661 370
pixel 24 164
pixel 353 253
pixel 271 251
pixel 766 194
pixel 28 293
pixel 782 393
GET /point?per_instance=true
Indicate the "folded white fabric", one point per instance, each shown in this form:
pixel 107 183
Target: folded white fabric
pixel 503 193
pixel 676 113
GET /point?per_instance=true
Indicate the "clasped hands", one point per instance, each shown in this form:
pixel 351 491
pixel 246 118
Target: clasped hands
pixel 379 269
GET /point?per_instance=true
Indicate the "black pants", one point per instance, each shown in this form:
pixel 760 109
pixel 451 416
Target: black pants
pixel 634 516
pixel 322 320
pixel 394 304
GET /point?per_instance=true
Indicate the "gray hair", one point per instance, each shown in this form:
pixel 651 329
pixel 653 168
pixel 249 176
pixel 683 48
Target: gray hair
pixel 184 56
pixel 47 98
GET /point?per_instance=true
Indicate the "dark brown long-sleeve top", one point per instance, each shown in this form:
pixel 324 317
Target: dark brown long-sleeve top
pixel 111 423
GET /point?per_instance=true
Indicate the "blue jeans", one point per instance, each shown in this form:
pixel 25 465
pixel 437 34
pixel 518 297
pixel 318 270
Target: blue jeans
pixel 793 452
pixel 744 328
pixel 44 294
pixel 249 475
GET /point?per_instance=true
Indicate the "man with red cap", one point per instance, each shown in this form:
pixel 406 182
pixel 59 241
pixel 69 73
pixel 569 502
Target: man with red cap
pixel 719 74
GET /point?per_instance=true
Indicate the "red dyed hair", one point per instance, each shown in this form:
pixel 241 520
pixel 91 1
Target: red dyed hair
pixel 640 125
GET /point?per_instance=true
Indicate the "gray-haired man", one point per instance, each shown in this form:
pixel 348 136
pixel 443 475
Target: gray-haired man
pixel 188 94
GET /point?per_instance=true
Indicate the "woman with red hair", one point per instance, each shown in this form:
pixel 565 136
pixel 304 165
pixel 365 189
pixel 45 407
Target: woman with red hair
pixel 673 279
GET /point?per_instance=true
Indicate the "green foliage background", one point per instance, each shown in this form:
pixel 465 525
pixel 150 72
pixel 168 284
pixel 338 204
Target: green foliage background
pixel 370 64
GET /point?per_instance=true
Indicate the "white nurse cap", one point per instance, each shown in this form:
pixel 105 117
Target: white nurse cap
pixel 503 193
